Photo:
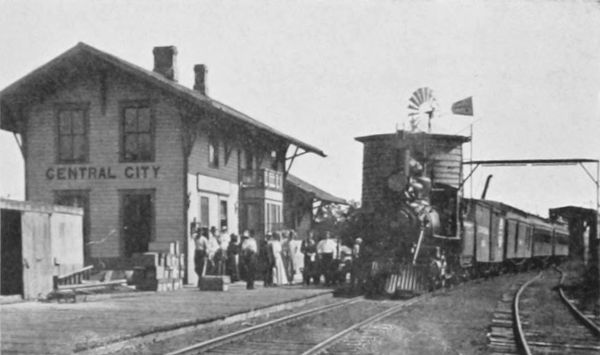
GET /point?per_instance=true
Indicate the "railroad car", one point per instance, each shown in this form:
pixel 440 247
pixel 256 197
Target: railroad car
pixel 561 241
pixel 519 244
pixel 484 233
pixel 505 237
pixel 542 240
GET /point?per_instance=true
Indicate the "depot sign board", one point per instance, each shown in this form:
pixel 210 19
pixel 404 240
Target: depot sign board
pixel 102 172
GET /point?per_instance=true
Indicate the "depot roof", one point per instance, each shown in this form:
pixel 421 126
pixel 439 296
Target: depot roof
pixel 42 79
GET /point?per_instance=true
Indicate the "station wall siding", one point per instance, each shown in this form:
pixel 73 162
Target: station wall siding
pixel 164 174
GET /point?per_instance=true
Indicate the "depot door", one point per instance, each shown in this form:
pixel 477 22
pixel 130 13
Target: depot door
pixel 137 216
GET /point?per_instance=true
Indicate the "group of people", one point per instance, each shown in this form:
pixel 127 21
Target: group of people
pixel 276 254
pixel 273 259
pixel 217 253
pixel 329 258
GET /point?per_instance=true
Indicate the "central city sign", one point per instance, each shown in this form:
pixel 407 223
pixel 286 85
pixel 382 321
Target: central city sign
pixel 102 172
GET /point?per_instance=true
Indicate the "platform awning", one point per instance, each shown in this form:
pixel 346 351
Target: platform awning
pixel 315 191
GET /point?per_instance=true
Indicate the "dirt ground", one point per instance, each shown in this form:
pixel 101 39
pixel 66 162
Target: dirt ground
pixel 579 284
pixel 450 322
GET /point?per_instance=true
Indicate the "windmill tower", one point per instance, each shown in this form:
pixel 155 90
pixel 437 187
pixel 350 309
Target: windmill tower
pixel 422 106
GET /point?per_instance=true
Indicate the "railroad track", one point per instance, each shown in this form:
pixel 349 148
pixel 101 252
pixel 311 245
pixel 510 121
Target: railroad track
pixel 534 319
pixel 307 332
pixel 589 320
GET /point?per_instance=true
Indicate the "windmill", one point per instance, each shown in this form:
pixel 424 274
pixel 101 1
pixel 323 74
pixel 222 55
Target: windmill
pixel 421 105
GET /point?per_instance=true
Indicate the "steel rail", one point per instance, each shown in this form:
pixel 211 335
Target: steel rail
pixel 576 312
pixel 521 341
pixel 211 343
pixel 388 312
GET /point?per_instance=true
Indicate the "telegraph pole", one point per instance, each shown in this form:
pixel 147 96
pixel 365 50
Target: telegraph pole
pixel 597 182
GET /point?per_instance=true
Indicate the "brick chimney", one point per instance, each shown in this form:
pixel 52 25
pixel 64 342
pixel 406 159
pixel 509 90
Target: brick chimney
pixel 200 78
pixel 165 61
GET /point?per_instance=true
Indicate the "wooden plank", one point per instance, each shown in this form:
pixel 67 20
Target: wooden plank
pixel 89 267
pixel 92 285
pixel 37 254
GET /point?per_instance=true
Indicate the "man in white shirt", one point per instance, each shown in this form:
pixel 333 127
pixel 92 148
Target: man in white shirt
pixel 221 256
pixel 326 249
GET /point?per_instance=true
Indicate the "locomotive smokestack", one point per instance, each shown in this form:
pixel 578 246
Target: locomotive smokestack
pixel 485 188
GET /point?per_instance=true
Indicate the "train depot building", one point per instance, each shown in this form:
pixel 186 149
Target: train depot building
pixel 146 158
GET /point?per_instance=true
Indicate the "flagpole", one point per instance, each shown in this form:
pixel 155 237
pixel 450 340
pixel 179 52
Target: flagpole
pixel 465 107
pixel 471 155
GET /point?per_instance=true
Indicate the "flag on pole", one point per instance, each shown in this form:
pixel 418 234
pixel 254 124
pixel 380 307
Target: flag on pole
pixel 463 107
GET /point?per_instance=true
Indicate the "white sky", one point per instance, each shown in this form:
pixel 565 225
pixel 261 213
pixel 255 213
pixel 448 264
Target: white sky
pixel 329 71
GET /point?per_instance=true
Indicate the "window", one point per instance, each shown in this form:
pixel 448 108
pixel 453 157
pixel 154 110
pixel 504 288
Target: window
pixel 137 142
pixel 213 153
pixel 249 159
pixel 223 214
pixel 251 213
pixel 273 214
pixel 204 216
pixel 72 135
pixel 274 160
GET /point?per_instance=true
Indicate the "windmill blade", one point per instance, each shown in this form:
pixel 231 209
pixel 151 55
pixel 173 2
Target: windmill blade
pixel 413 107
pixel 426 94
pixel 413 100
pixel 419 95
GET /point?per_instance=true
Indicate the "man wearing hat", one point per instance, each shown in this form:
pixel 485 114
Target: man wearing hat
pixel 249 250
pixel 267 260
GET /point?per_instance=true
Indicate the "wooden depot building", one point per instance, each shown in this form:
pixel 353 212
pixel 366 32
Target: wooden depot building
pixel 144 156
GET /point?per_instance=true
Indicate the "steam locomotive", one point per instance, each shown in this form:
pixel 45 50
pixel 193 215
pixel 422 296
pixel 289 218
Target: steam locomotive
pixel 426 234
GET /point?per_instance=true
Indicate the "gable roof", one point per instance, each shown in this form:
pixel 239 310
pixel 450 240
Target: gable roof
pixel 28 83
pixel 317 192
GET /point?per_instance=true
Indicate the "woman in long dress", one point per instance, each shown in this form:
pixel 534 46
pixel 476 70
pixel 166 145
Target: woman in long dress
pixel 289 253
pixel 279 277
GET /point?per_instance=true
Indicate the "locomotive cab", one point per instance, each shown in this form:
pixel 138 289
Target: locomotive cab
pixel 444 201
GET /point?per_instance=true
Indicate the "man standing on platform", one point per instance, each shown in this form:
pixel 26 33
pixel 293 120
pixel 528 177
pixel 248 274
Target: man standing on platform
pixel 223 238
pixel 267 260
pixel 326 248
pixel 200 254
pixel 213 248
pixel 355 277
pixel 309 249
pixel 249 250
pixel 233 256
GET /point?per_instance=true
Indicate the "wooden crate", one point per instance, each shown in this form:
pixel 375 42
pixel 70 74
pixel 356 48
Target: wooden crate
pixel 214 283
